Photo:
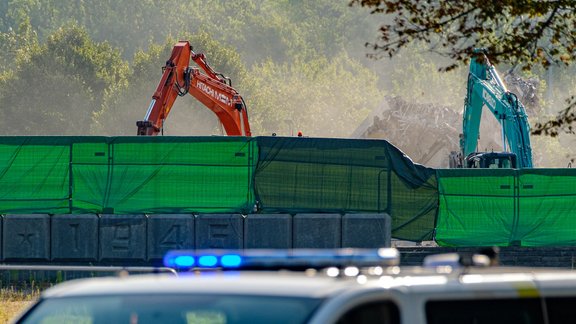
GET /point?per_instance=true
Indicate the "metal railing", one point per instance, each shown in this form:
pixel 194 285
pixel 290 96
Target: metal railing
pixel 115 269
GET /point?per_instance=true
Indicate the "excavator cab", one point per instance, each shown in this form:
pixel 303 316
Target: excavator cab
pixel 491 160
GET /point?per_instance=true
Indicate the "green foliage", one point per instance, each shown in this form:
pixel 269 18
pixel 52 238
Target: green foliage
pixel 127 24
pixel 57 86
pixel 425 84
pixel 292 35
pixel 283 30
pixel 551 152
pixel 562 82
pixel 16 43
pixel 324 98
pixel 525 32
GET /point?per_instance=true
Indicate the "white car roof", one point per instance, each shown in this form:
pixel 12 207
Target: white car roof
pixel 292 284
pixel 303 284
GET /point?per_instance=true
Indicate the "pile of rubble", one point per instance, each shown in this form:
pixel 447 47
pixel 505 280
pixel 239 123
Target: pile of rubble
pixel 526 90
pixel 427 133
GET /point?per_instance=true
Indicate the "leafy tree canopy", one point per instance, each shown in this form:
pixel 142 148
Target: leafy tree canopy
pixel 57 86
pixel 321 97
pixel 517 32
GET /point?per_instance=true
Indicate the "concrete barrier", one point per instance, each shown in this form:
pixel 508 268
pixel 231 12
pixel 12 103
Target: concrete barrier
pixel 366 230
pixel 318 231
pixel 219 231
pixel 26 237
pixel 169 232
pixel 268 231
pixel 140 239
pixel 74 237
pixel 123 237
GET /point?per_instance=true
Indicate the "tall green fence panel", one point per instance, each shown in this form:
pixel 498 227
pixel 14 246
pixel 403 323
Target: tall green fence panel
pixel 477 207
pixel 547 207
pixel 527 207
pixel 91 175
pixel 414 209
pixel 316 175
pixel 164 175
pixel 34 175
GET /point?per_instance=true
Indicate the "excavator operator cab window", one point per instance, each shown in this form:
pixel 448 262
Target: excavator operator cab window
pixel 505 163
pixel 500 161
pixel 505 160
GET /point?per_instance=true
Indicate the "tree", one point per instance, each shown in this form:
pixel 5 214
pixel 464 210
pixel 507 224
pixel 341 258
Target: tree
pixel 16 43
pixel 321 97
pixel 521 33
pixel 415 76
pixel 56 87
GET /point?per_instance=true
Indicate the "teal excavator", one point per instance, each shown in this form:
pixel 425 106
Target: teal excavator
pixel 486 89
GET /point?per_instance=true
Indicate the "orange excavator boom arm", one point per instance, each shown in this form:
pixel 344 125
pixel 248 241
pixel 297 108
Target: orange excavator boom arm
pixel 212 89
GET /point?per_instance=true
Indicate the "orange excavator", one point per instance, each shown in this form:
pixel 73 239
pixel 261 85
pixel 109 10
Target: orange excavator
pixel 212 89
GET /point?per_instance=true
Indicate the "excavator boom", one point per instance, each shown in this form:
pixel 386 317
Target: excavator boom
pixel 486 90
pixel 212 89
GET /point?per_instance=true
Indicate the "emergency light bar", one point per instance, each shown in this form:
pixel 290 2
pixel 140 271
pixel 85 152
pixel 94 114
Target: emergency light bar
pixel 281 259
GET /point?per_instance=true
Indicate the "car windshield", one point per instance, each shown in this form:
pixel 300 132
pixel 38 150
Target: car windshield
pixel 205 309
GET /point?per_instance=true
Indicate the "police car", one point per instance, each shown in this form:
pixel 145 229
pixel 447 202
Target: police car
pixel 322 286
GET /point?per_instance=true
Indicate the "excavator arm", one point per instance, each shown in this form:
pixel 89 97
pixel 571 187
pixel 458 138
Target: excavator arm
pixel 212 89
pixel 486 89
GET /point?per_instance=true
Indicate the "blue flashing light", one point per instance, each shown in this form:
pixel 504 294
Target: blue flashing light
pixel 184 261
pixel 179 260
pixel 271 259
pixel 207 261
pixel 231 261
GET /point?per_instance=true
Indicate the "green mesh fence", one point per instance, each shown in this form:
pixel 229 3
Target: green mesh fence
pixel 125 175
pixel 315 175
pixel 529 207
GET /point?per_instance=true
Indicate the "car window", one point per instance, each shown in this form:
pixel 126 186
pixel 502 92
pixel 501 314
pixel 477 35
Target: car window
pixel 483 311
pixel 384 312
pixel 155 308
pixel 561 310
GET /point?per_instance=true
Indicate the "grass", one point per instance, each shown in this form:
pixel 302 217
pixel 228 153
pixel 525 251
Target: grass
pixel 13 301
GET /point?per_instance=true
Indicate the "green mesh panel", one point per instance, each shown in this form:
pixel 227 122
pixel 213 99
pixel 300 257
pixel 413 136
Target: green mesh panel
pixel 414 209
pixel 546 205
pixel 164 175
pixel 477 207
pixel 528 207
pixel 91 175
pixel 34 175
pixel 314 175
